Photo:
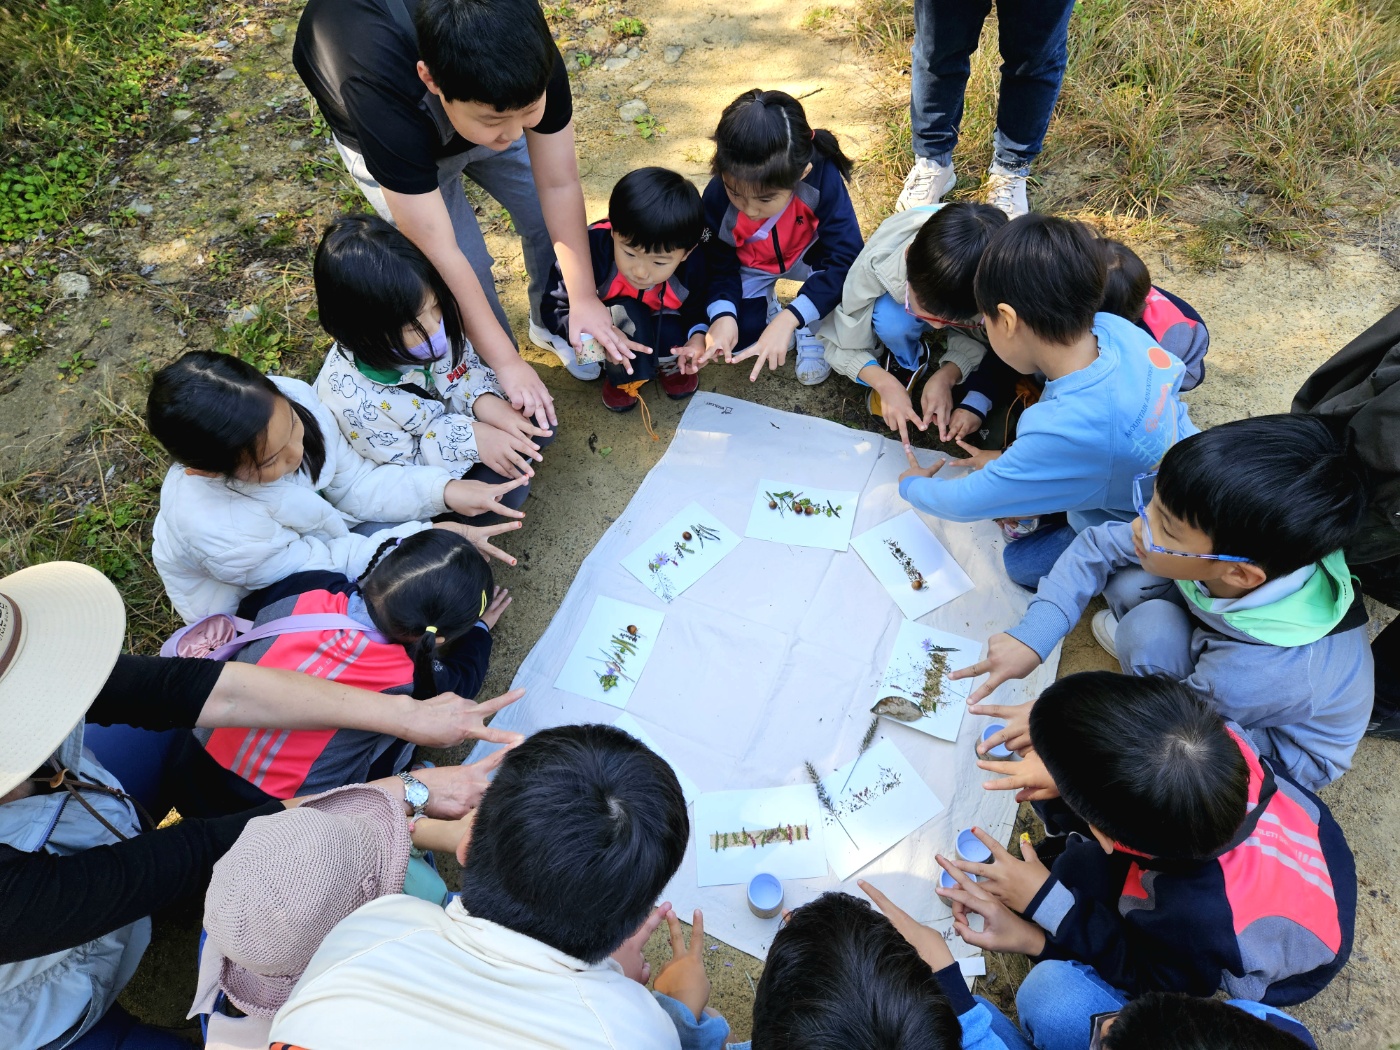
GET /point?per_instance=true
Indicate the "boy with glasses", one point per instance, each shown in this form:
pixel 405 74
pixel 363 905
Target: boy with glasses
pixel 1232 581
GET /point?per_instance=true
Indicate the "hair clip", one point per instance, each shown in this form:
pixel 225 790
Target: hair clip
pixel 483 604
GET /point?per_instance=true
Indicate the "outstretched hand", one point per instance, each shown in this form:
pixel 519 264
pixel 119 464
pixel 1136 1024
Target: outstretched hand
pixel 684 978
pixel 1017 720
pixel 1029 778
pixel 449 720
pixel 629 955
pixel 1013 882
pixel 1002 929
pixel 929 943
pixel 481 536
pixel 1006 658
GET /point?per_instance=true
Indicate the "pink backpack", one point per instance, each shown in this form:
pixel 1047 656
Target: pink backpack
pixel 221 636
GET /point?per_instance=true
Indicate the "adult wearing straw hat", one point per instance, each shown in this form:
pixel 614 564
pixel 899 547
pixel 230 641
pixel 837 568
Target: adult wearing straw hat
pixel 80 870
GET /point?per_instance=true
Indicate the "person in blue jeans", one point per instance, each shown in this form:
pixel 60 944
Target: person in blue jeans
pixel 1067 1006
pixel 841 976
pixel 1032 36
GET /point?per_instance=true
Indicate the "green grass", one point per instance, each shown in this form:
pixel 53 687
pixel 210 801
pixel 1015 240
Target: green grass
pixel 629 27
pixel 1293 103
pixel 77 91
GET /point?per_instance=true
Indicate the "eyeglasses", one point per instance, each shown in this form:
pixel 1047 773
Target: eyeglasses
pixel 1143 487
pixel 930 319
pixel 1096 1026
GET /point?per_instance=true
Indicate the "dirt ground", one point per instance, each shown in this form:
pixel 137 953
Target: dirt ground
pixel 233 214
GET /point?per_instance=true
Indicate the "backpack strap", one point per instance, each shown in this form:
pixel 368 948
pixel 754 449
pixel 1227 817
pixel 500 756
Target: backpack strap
pixel 293 624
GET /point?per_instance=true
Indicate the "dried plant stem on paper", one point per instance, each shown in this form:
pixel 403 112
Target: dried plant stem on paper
pixel 924 681
pixel 782 833
pixel 798 504
pixel 865 743
pixel 824 797
pixel 916 578
pixel 886 780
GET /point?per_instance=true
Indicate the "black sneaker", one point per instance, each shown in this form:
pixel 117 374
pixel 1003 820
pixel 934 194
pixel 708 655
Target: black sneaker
pixel 1385 722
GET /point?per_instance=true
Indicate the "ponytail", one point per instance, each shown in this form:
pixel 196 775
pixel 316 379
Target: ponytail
pixel 764 141
pixel 425 589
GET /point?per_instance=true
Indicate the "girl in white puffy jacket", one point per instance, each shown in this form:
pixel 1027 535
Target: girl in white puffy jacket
pixel 264 486
pixel 402 381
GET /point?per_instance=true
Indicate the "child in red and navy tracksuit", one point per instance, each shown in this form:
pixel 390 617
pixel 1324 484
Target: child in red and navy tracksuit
pixel 1187 863
pixel 780 209
pixel 647 271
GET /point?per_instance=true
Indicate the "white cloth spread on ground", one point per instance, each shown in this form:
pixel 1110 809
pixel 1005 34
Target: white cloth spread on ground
pixel 773 658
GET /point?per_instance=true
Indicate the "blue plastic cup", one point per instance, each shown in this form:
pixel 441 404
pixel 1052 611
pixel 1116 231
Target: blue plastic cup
pixel 971 848
pixel 998 751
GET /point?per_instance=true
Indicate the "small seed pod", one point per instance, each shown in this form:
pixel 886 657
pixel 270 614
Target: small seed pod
pixel 686 536
pixel 918 583
pixel 772 504
pixel 632 629
pixel 809 509
pixel 797 508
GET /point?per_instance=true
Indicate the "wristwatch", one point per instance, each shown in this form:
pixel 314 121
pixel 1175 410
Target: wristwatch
pixel 415 793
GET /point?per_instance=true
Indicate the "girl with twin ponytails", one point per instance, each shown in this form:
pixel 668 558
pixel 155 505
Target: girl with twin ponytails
pixel 778 204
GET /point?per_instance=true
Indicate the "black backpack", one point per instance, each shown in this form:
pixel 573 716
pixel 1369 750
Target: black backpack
pixel 1357 393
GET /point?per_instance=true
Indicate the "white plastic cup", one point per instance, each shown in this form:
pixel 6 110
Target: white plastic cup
pixel 765 895
pixel 947 882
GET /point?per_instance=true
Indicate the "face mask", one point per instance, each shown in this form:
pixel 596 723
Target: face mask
pixel 435 349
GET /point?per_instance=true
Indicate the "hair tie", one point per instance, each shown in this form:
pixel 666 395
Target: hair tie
pixel 483 605
pixel 430 629
pixel 814 134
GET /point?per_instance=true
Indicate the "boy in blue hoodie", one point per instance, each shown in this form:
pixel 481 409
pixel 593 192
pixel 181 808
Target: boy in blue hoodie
pixel 841 976
pixel 1232 580
pixel 1109 411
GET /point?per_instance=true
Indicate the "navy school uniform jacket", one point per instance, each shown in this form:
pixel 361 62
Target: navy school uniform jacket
pixel 685 295
pixel 818 227
pixel 1269 918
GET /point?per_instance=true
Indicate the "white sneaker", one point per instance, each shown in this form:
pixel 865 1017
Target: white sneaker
pixel 547 340
pixel 925 184
pixel 1105 627
pixel 811 359
pixel 1007 191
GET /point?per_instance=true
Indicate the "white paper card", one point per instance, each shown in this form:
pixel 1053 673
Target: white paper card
pixel 917 676
pixel 628 724
pixel 612 649
pixel 669 561
pixel 741 833
pixel 973 966
pixel 829 525
pixel 885 801
pixel 901 552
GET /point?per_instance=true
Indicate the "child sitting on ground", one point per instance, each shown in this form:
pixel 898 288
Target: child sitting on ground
pixel 1186 862
pixel 401 379
pixel 913 277
pixel 779 208
pixel 841 976
pixel 1109 411
pixel 1232 581
pixel 428 606
pixel 1169 319
pixel 264 486
pixel 649 274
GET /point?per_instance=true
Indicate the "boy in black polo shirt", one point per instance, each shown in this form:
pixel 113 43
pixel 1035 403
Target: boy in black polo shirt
pixel 418 92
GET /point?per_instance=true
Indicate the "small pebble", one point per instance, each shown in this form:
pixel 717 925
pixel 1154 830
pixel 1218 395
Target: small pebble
pixel 278 31
pixel 620 49
pixel 73 286
pixel 672 54
pixel 179 116
pixel 634 53
pixel 143 209
pixel 227 73
pixel 637 89
pixel 612 65
pixel 631 110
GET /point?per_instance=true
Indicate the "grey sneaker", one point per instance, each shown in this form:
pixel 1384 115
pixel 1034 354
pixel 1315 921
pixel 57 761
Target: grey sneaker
pixel 811 359
pixel 547 340
pixel 1105 627
pixel 925 184
pixel 1007 191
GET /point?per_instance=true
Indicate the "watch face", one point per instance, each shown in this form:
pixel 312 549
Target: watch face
pixel 416 793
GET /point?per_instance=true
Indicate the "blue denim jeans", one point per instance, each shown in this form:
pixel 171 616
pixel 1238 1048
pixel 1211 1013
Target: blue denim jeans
pixel 899 330
pixel 1031 557
pixel 1032 37
pixel 118 1030
pixel 1057 999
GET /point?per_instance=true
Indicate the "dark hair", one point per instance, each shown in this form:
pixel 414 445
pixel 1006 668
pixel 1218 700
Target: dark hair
pixel 764 141
pixel 1050 271
pixel 943 256
pixel 1280 490
pixel 1126 282
pixel 577 835
pixel 1174 1021
pixel 1143 759
pixel 210 411
pixel 371 284
pixel 840 977
pixel 657 210
pixel 433 578
pixel 496 52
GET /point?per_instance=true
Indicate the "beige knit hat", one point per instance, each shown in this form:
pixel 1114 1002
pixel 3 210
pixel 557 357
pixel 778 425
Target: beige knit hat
pixel 61 631
pixel 288 880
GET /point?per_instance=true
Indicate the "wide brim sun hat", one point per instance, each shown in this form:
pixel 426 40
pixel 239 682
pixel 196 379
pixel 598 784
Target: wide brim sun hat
pixel 62 625
pixel 286 883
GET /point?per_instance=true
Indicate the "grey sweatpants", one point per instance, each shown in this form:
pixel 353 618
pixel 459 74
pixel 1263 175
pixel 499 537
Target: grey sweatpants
pixel 1154 628
pixel 507 177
